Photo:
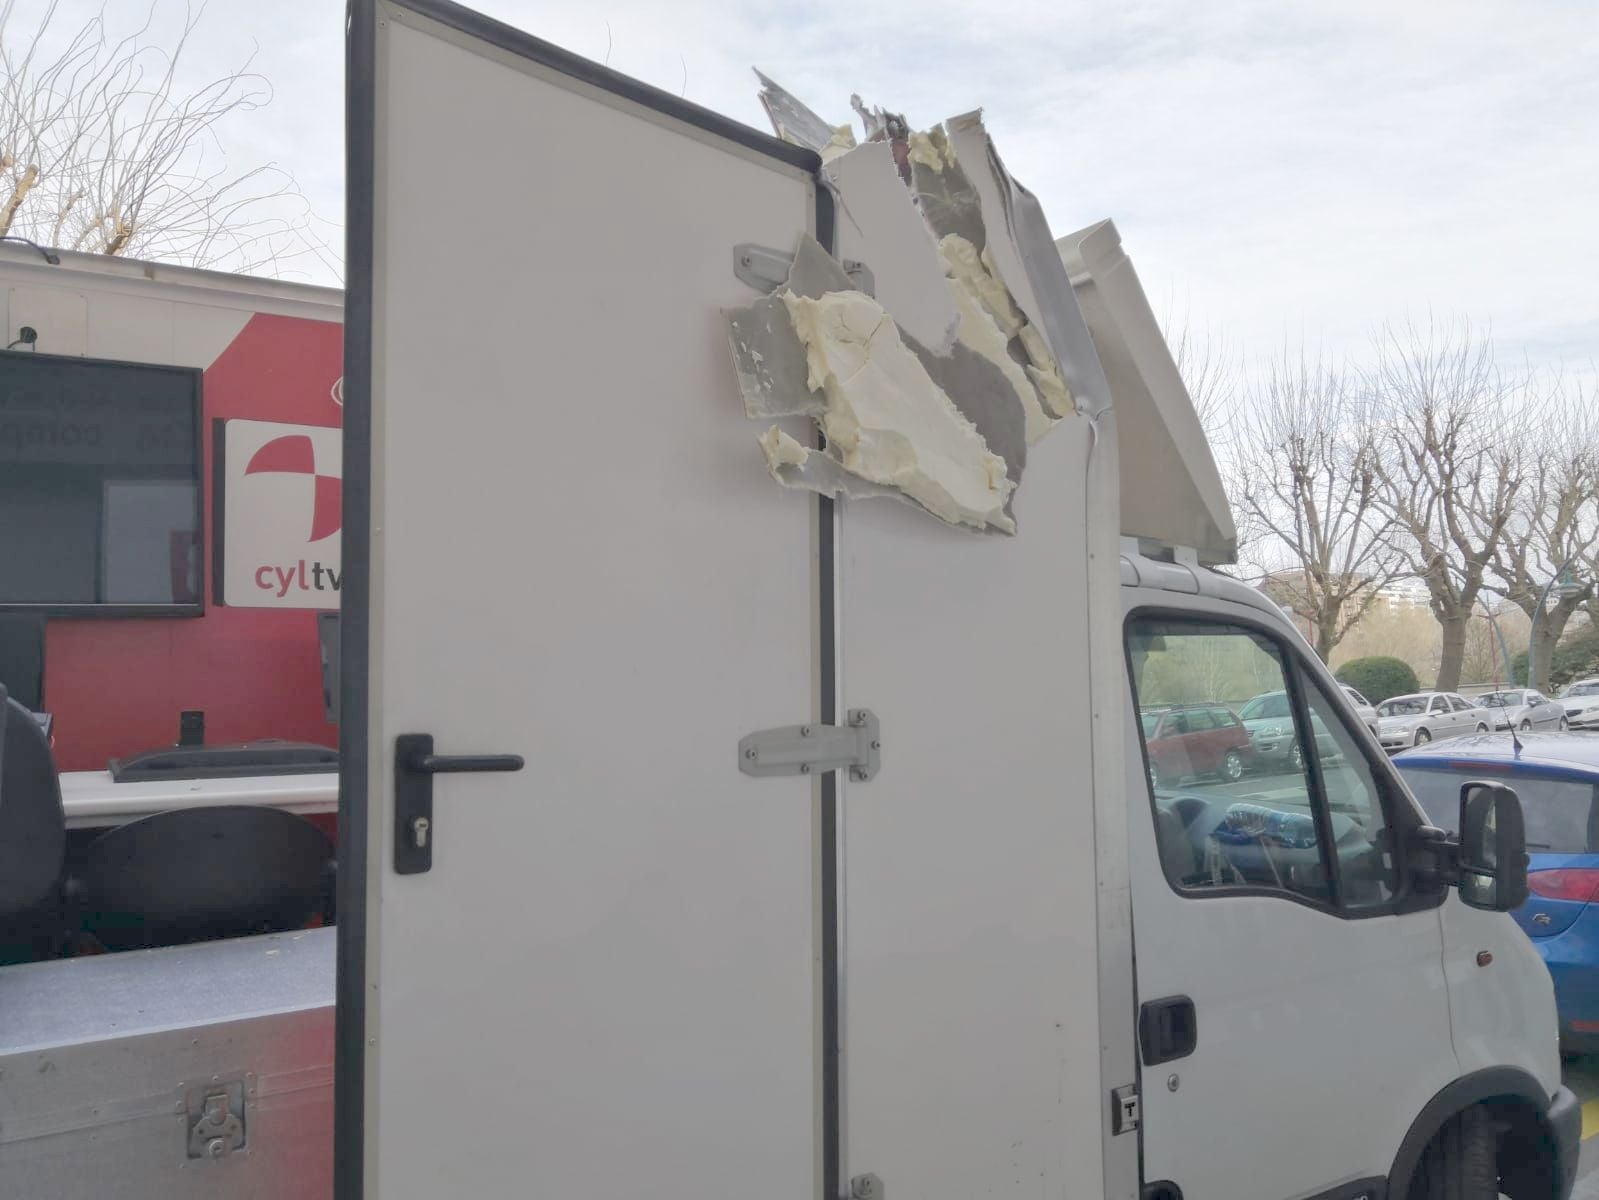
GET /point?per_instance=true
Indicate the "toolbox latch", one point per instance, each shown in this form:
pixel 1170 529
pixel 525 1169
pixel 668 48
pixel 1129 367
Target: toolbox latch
pixel 218 1129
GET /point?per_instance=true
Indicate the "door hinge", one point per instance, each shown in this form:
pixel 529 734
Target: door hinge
pixel 765 269
pixel 1124 1115
pixel 811 749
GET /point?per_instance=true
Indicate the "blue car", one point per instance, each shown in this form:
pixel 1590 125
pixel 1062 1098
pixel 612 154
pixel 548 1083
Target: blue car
pixel 1556 775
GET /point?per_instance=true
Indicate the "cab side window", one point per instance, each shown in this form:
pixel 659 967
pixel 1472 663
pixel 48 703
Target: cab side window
pixel 1265 790
pixel 1364 865
pixel 1459 704
pixel 1440 705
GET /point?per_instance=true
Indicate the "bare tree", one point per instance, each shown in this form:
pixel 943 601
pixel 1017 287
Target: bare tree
pixel 101 150
pixel 1450 472
pixel 1555 519
pixel 1305 472
pixel 1209 372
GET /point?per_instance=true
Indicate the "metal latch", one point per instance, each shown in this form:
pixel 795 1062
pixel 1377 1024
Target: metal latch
pixel 218 1130
pixel 808 749
pixel 765 269
pixel 1124 1115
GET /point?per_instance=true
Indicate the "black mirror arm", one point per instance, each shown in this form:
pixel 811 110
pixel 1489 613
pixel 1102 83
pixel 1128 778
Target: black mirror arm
pixel 1433 858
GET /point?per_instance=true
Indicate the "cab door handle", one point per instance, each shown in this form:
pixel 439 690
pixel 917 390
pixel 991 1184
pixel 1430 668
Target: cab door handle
pixel 1168 1029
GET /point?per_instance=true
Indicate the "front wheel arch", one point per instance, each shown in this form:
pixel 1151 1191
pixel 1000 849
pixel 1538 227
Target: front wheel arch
pixel 1516 1100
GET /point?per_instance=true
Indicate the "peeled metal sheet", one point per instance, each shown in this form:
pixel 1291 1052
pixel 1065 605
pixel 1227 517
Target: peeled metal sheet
pixel 878 224
pixel 1028 262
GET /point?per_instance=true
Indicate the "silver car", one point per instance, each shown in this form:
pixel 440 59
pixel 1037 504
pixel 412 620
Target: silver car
pixel 1523 709
pixel 1581 703
pixel 1364 709
pixel 1415 720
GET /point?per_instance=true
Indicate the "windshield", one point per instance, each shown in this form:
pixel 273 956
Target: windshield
pixel 1500 699
pixel 1582 689
pixel 1403 706
pixel 1271 705
pixel 1559 812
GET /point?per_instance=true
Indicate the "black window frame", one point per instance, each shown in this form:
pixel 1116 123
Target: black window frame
pixel 1400 814
pixel 118 610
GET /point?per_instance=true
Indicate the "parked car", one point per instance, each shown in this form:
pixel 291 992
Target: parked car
pixel 1556 776
pixel 1423 717
pixel 1195 740
pixel 1523 708
pixel 1363 707
pixel 1581 702
pixel 1270 725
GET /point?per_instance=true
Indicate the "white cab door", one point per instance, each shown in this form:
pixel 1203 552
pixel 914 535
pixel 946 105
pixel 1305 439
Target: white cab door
pixel 604 985
pixel 1293 1021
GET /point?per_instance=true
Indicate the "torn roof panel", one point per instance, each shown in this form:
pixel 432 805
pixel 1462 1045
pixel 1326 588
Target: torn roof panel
pixel 878 224
pixel 1171 491
pixel 937 386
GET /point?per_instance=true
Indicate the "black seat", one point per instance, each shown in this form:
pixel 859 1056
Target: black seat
pixel 204 873
pixel 33 832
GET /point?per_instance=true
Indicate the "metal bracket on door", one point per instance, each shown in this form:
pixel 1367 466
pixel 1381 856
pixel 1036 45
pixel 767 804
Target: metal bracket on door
pixel 809 749
pixel 765 269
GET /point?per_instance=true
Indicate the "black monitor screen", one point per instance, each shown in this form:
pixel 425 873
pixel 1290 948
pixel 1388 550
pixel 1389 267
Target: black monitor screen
pixel 100 501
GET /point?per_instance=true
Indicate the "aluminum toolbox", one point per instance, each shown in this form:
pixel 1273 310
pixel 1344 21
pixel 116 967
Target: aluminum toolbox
pixel 195 1071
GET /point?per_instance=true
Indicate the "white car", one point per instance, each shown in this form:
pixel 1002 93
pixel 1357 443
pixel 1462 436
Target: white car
pixel 1524 709
pixel 1364 709
pixel 1581 702
pixel 1415 720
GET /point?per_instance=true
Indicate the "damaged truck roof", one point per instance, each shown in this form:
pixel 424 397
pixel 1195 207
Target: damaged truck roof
pixel 962 342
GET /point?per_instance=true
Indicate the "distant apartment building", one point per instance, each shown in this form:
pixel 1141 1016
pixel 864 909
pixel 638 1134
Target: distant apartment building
pixel 1403 594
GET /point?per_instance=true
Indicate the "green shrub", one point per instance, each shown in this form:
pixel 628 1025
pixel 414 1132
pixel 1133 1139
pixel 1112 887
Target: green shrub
pixel 1378 677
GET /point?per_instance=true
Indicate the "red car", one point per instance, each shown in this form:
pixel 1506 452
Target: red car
pixel 1195 740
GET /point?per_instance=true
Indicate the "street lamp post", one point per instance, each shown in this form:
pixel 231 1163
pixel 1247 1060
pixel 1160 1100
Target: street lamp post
pixel 1563 585
pixel 1504 648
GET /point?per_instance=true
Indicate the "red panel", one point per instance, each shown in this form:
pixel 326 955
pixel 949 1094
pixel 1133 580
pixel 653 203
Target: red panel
pixel 117 686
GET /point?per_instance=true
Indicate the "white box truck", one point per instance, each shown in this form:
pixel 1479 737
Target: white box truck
pixel 704 837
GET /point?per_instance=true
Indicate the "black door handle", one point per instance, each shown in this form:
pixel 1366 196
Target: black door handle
pixel 415 765
pixel 1168 1029
pixel 439 764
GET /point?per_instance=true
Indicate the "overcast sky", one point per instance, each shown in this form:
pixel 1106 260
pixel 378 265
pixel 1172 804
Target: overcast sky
pixel 1297 169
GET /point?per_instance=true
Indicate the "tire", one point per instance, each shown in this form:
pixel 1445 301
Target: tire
pixel 1564 725
pixel 1483 728
pixel 1232 767
pixel 1296 758
pixel 1526 727
pixel 1422 737
pixel 1462 1161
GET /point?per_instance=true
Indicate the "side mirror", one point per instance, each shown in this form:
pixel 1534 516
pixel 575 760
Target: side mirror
pixel 1493 848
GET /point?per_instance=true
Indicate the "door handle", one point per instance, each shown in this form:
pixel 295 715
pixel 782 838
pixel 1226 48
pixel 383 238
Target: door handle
pixel 1168 1029
pixel 415 765
pixel 440 764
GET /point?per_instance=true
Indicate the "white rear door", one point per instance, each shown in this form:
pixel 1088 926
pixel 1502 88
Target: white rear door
pixel 562 544
pixel 974 916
